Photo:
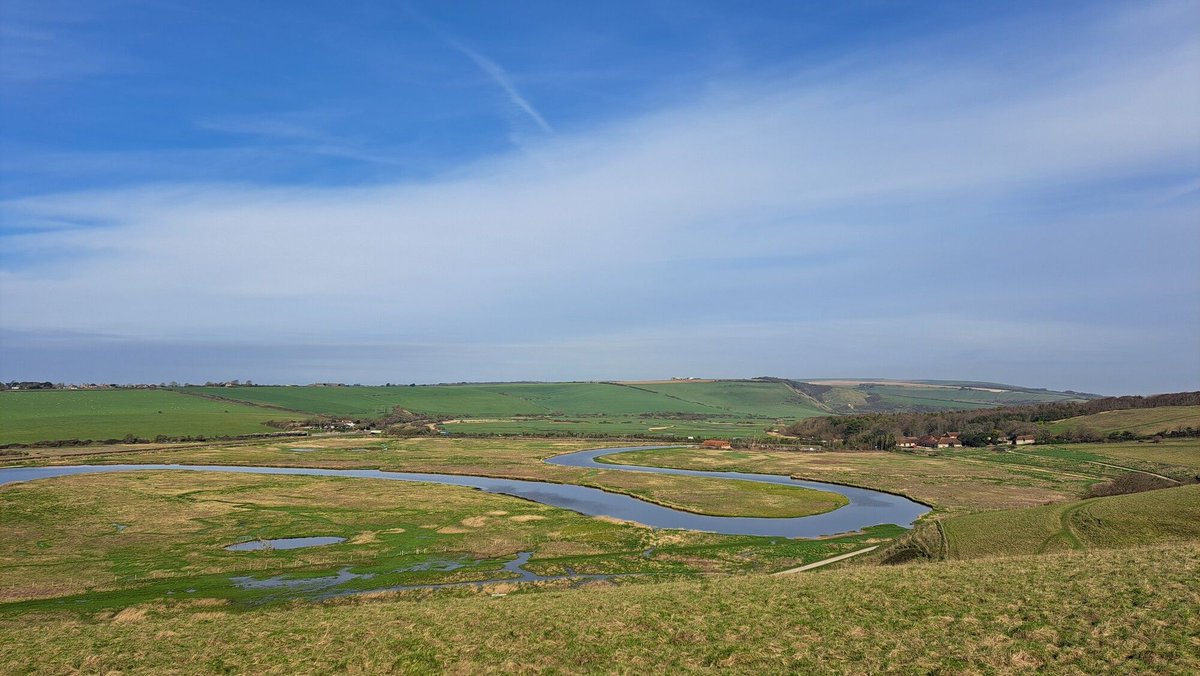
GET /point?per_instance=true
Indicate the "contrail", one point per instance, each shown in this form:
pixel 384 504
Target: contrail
pixel 501 78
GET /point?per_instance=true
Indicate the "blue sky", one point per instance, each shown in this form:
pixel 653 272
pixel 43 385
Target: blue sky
pixel 434 192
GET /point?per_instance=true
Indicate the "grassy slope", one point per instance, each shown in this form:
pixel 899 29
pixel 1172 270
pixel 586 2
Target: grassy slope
pixel 893 396
pixel 500 400
pixel 723 408
pixel 378 401
pixel 1117 521
pixel 1126 611
pixel 724 398
pixel 1137 420
pixel 723 427
pixel 1176 458
pixel 107 414
pixel 767 399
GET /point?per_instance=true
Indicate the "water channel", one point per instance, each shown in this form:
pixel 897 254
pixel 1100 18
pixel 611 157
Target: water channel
pixel 866 507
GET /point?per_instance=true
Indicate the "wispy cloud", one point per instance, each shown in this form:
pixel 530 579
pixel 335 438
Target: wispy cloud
pixel 502 80
pixel 917 215
pixel 32 54
pixel 300 131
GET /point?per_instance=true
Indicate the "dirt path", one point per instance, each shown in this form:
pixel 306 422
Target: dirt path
pixel 1034 468
pixel 1139 471
pixel 826 562
pixel 1106 464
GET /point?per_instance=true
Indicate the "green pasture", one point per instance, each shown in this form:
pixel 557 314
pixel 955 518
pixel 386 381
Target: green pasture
pixel 505 400
pixel 902 398
pixel 1175 458
pixel 759 399
pixel 614 426
pixel 375 402
pixel 47 415
pixel 1171 514
pixel 1143 421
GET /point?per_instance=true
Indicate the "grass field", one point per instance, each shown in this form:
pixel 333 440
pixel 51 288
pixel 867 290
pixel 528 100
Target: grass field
pixel 128 571
pixel 948 482
pixel 108 541
pixel 672 409
pixel 1118 521
pixel 518 459
pixel 1175 458
pixel 850 396
pixel 31 416
pixel 1122 611
pixel 493 400
pixel 900 397
pixel 714 427
pixel 953 480
pixel 1142 421
pixel 762 399
pixel 719 408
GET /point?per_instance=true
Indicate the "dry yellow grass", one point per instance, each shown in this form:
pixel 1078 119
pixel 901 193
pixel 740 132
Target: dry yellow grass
pixel 950 482
pixel 1123 611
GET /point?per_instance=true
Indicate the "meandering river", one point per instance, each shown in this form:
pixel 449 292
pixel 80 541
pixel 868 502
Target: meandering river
pixel 866 507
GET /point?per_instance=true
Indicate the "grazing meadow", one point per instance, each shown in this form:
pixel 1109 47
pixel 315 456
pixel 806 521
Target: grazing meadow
pixel 53 415
pixel 1135 420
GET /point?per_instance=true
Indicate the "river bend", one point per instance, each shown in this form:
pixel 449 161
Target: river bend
pixel 866 507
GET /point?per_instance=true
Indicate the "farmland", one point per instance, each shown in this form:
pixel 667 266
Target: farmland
pixel 661 409
pixel 882 396
pixel 26 417
pixel 1142 421
pixel 516 399
pixel 723 408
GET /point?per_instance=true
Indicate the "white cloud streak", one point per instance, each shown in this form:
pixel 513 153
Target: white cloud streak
pixel 917 201
pixel 502 79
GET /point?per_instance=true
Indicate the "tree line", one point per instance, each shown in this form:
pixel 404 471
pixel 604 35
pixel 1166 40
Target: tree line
pixel 980 427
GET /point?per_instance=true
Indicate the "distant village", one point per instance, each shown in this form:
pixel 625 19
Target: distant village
pixel 951 440
pixel 47 385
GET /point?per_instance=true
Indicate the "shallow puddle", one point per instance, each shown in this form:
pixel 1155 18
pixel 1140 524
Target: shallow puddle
pixel 284 543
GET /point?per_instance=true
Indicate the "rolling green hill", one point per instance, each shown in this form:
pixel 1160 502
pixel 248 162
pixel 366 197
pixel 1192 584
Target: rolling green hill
pixel 51 415
pixel 714 408
pixel 1139 421
pixel 1171 514
pixel 762 399
pixel 886 396
pixel 666 409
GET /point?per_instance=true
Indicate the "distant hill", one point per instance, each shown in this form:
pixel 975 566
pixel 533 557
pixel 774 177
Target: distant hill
pixel 876 395
pixel 1138 421
pixel 662 409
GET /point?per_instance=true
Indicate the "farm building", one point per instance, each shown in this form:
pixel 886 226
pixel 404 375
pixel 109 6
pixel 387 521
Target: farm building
pixel 716 443
pixel 928 441
pixel 1024 439
pixel 949 442
pixel 907 442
